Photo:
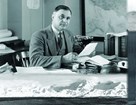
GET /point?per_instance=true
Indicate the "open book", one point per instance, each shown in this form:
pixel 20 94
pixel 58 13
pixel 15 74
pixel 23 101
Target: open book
pixel 97 60
pixel 84 56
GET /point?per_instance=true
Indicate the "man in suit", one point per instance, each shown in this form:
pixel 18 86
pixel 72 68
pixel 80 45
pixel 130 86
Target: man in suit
pixel 46 48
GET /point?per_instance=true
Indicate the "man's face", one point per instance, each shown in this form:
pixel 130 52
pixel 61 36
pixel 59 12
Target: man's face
pixel 61 19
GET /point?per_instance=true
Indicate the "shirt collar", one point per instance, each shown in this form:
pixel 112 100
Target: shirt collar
pixel 54 30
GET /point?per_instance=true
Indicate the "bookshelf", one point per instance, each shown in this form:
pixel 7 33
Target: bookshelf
pixel 116 44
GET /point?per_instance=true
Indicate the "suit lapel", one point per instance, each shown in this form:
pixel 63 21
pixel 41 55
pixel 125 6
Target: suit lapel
pixel 68 41
pixel 51 42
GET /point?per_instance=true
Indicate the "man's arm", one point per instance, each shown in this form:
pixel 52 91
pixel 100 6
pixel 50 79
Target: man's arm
pixel 37 55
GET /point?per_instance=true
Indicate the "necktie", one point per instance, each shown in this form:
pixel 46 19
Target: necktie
pixel 60 39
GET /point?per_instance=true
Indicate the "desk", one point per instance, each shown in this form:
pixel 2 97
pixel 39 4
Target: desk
pixel 9 55
pixel 6 51
pixel 61 83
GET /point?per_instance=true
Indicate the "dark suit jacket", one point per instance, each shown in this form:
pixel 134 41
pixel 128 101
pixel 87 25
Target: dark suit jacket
pixel 43 51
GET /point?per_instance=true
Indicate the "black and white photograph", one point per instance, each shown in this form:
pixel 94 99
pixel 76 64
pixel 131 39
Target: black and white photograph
pixel 67 52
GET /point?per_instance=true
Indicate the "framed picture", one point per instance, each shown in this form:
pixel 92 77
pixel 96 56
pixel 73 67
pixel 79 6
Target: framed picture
pixel 105 16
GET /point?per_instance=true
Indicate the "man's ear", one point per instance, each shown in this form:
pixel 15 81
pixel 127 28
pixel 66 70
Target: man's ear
pixel 53 15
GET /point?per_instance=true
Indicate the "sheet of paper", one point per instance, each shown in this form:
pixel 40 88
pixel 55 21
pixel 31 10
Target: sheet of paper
pixel 118 34
pixel 83 59
pixel 99 60
pixel 2 46
pixel 41 70
pixel 89 48
pixel 7 50
pixel 5 33
pixel 8 38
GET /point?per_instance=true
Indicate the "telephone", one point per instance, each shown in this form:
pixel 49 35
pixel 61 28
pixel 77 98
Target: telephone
pixel 123 64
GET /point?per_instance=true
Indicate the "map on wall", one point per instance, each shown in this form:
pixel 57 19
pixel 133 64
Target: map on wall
pixel 105 16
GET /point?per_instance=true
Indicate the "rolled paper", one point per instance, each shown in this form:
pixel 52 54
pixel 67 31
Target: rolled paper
pixel 3 46
pixel 5 33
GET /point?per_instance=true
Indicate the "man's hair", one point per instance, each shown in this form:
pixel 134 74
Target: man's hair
pixel 64 7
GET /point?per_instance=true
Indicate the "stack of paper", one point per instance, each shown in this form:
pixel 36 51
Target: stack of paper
pixel 118 34
pixel 6 35
pixel 97 59
pixel 5 50
pixel 8 38
pixel 2 46
pixel 84 56
pixel 41 70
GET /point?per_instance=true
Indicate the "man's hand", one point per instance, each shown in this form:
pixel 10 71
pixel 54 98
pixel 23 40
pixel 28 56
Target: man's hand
pixel 69 58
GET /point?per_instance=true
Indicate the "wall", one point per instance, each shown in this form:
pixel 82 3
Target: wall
pixel 3 14
pixel 15 17
pixel 76 21
pixel 22 20
pixel 32 19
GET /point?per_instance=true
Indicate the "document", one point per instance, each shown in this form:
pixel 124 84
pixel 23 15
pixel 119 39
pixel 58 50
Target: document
pixel 119 34
pixel 41 70
pixel 97 60
pixel 5 50
pixel 5 33
pixel 8 38
pixel 84 56
pixel 3 46
pixel 88 50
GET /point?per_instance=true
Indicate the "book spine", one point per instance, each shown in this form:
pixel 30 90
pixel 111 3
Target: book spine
pixel 123 46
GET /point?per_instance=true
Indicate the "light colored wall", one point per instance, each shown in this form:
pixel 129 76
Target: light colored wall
pixel 3 14
pixel 76 23
pixel 22 20
pixel 32 19
pixel 15 16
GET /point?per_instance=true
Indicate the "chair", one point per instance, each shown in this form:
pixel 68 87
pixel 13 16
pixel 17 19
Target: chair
pixel 23 57
pixel 25 54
